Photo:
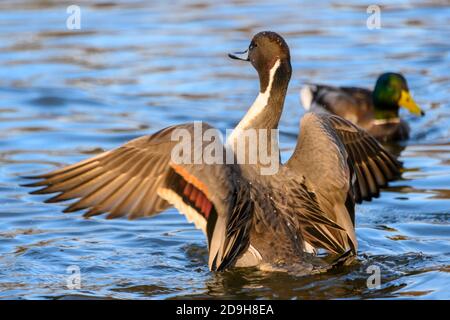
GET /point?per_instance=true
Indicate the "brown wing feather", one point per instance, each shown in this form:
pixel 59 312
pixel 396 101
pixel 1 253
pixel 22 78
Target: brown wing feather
pixel 104 183
pixel 340 164
pixel 373 165
pixel 138 179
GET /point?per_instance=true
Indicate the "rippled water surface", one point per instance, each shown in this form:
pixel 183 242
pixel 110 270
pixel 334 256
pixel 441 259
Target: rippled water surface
pixel 137 66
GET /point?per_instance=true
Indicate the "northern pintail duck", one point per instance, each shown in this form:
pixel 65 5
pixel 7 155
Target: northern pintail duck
pixel 376 111
pixel 249 219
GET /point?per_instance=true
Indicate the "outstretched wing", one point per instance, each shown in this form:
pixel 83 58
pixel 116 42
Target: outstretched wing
pixel 141 178
pixel 341 164
pixel 373 165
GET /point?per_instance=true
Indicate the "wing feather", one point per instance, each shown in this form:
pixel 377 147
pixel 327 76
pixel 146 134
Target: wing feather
pixel 340 164
pixel 139 179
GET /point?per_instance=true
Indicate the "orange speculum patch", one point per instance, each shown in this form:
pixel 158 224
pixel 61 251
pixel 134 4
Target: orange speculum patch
pixel 194 191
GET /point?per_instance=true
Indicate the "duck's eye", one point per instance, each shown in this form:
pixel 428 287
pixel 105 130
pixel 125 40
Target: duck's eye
pixel 253 45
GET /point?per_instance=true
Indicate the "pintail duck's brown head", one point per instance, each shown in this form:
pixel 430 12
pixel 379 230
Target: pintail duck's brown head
pixel 268 51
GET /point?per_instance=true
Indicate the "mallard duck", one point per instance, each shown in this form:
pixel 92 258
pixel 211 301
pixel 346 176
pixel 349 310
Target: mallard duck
pixel 376 111
pixel 273 222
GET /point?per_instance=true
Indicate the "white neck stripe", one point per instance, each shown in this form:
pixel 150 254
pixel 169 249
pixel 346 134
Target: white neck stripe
pixel 258 105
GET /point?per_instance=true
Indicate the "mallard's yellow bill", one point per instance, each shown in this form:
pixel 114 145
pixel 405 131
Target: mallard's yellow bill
pixel 407 102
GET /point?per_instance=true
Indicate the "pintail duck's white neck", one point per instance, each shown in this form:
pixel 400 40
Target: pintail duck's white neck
pixel 261 110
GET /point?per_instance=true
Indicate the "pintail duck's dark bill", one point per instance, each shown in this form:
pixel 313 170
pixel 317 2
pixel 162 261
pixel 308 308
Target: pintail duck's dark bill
pixel 239 55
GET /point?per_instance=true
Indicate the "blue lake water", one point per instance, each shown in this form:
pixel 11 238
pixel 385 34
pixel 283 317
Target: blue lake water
pixel 137 66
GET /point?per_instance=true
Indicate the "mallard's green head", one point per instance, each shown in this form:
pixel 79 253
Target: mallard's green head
pixel 391 92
